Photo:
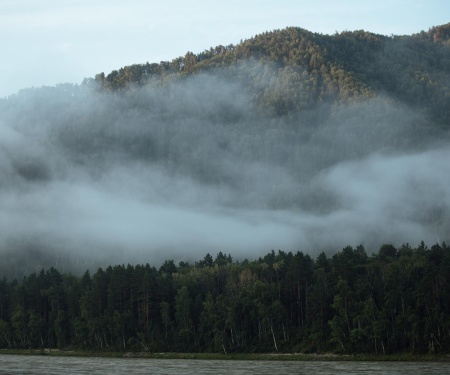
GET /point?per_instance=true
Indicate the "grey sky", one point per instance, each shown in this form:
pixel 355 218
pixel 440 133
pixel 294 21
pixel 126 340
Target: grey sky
pixel 45 42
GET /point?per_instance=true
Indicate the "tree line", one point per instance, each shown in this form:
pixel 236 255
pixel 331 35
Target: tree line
pixel 396 300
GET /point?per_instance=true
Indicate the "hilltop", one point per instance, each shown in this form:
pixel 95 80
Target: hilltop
pixel 300 69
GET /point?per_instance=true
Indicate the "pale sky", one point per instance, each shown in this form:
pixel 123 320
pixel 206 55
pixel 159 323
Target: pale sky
pixel 46 42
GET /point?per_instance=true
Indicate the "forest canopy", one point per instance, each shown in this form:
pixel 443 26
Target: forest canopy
pixel 395 301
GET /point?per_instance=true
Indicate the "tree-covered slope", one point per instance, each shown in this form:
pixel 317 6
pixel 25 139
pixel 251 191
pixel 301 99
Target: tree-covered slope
pixel 309 68
pixel 289 140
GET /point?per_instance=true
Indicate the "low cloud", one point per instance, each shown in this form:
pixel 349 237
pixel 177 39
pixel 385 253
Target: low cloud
pixel 179 171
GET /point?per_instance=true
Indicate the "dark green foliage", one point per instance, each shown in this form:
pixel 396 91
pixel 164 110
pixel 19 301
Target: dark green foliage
pixel 395 301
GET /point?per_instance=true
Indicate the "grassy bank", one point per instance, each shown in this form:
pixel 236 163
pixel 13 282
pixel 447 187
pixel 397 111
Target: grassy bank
pixel 238 357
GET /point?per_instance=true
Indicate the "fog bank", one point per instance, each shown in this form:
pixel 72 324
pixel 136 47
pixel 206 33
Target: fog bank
pixel 194 167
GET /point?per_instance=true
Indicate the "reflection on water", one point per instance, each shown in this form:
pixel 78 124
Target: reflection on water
pixel 33 365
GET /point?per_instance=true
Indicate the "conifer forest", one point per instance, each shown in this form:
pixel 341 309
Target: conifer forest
pixel 290 193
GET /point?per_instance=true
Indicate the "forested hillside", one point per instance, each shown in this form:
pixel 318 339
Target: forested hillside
pixel 395 301
pixel 300 69
pixel 289 140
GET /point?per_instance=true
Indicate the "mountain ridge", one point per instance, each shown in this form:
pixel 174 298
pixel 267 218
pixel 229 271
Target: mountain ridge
pixel 344 67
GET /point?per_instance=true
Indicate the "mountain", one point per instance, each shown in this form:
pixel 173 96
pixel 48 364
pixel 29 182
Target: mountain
pixel 289 140
pixel 306 68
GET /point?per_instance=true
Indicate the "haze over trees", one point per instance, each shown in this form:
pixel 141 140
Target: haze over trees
pixel 289 140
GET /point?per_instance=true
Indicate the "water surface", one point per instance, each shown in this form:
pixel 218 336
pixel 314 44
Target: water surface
pixel 33 365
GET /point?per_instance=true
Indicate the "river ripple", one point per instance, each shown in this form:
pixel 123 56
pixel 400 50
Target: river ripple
pixel 37 365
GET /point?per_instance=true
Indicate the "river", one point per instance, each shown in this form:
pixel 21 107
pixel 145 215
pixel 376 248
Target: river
pixel 34 365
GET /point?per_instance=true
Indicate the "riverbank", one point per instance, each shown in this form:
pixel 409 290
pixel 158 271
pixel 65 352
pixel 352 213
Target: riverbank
pixel 239 356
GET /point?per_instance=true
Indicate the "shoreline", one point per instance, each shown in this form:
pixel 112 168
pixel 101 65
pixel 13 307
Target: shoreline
pixel 329 357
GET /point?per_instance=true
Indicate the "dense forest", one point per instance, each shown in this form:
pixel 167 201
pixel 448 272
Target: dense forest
pixel 289 140
pixel 394 301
